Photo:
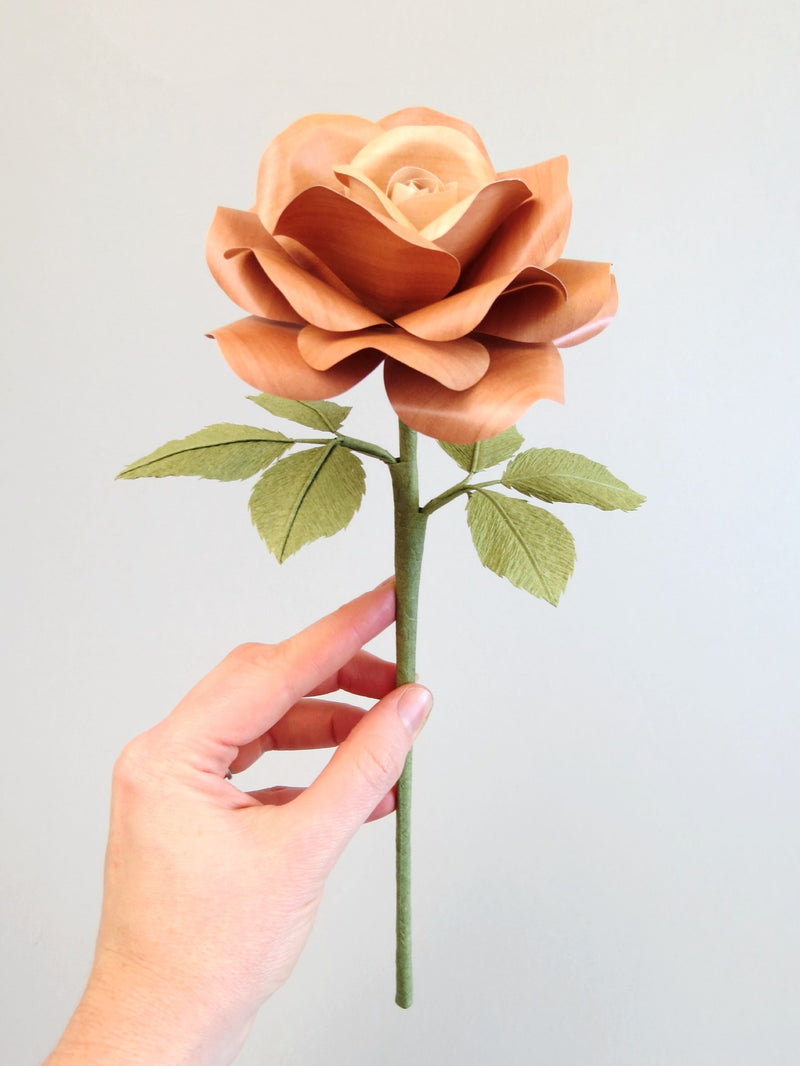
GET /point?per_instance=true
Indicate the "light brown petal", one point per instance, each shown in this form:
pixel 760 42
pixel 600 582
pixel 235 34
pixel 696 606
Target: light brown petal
pixel 239 275
pixel 446 152
pixel 391 268
pixel 304 154
pixel 313 299
pixel 595 325
pixel 536 316
pixel 459 314
pixel 265 355
pixel 517 377
pixel 365 192
pixel 426 116
pixel 535 234
pixel 466 227
pixel 455 364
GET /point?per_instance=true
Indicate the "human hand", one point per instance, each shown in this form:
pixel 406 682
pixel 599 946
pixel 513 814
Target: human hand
pixel 210 893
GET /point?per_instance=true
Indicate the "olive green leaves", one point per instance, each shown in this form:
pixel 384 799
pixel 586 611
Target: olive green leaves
pixel 528 545
pixel 312 493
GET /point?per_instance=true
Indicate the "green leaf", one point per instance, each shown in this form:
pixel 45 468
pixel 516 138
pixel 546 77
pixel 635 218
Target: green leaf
pixel 564 477
pixel 224 452
pixel 311 494
pixel 485 453
pixel 526 544
pixel 319 414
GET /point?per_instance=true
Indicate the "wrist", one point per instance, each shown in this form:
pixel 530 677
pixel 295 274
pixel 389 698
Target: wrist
pixel 129 1016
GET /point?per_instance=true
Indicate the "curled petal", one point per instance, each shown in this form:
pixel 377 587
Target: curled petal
pixel 446 152
pixel 365 192
pixel 536 315
pixel 595 325
pixel 459 314
pixel 466 227
pixel 304 154
pixel 454 364
pixel 266 356
pixel 391 268
pixel 426 116
pixel 239 274
pixel 535 234
pixel 312 298
pixel 516 378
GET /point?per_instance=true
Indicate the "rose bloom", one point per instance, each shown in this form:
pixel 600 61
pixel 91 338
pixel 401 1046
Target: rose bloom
pixel 397 241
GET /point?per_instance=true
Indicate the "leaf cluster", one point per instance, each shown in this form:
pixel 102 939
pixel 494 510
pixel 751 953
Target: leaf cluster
pixel 313 492
pixel 526 544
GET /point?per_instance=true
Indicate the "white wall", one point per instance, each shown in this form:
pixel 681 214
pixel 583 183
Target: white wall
pixel 606 857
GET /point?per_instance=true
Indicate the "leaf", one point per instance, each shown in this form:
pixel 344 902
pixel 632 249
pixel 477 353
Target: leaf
pixel 317 414
pixel 311 494
pixel 224 452
pixel 565 477
pixel 526 544
pixel 485 453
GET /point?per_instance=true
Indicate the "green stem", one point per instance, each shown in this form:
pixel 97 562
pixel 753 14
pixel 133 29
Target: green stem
pixel 409 539
pixel 354 445
pixel 456 490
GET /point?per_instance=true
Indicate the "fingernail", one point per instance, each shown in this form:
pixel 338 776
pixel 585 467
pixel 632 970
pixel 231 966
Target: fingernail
pixel 385 584
pixel 414 706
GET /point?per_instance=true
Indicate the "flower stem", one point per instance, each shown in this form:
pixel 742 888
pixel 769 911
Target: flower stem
pixel 409 539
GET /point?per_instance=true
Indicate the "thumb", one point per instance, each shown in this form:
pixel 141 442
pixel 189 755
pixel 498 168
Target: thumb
pixel 363 769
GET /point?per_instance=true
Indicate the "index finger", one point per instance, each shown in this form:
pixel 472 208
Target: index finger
pixel 257 683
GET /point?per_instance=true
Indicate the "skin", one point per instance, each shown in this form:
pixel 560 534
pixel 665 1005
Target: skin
pixel 211 892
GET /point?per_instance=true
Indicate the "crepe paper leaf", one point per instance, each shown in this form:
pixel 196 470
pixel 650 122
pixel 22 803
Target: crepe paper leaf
pixel 523 543
pixel 224 452
pixel 485 453
pixel 316 414
pixel 308 495
pixel 564 477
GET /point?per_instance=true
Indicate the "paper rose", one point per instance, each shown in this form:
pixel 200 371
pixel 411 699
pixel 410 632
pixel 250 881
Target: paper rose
pixel 398 241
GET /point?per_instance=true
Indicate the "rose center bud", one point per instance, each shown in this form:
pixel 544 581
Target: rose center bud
pixel 420 195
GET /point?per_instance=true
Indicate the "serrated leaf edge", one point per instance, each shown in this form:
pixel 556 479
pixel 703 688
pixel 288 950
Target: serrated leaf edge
pixel 493 497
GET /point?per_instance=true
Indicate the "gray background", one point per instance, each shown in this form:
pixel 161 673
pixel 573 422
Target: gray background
pixel 606 856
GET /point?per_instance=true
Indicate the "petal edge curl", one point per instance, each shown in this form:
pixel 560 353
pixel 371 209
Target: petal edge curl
pixel 266 356
pixel 518 376
pixel 454 364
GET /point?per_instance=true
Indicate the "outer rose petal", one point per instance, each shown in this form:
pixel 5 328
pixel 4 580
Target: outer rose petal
pixel 517 377
pixel 240 275
pixel 536 316
pixel 454 364
pixel 535 234
pixel 265 355
pixel 304 154
pixel 596 325
pixel 391 268
pixel 444 151
pixel 313 299
pixel 459 314
pixel 426 116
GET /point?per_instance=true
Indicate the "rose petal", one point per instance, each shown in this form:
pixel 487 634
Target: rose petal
pixel 240 275
pixel 391 268
pixel 533 316
pixel 448 153
pixel 365 192
pixel 313 299
pixel 426 116
pixel 466 227
pixel 304 154
pixel 455 364
pixel 517 377
pixel 459 314
pixel 595 325
pixel 535 234
pixel 265 355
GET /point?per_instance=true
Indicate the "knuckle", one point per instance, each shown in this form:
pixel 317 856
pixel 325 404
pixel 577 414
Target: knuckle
pixel 379 767
pixel 132 766
pixel 253 654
